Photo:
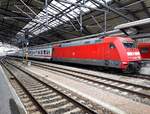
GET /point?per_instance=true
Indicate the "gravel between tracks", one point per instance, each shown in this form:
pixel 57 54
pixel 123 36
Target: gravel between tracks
pixel 87 91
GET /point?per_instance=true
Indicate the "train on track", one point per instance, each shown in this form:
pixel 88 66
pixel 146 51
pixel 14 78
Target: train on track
pixel 110 52
pixel 144 48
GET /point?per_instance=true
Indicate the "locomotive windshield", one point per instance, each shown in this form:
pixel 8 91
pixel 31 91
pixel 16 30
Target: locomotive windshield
pixel 129 44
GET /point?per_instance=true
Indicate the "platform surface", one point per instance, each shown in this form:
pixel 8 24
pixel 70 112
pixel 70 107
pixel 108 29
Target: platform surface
pixel 8 98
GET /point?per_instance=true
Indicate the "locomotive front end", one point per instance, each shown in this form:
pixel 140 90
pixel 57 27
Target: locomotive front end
pixel 133 57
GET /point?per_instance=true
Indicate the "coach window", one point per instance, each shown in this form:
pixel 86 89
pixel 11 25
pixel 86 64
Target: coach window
pixel 48 51
pixel 111 45
pixel 144 50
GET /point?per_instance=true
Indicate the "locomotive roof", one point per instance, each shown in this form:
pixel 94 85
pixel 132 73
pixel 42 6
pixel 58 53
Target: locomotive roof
pixel 83 40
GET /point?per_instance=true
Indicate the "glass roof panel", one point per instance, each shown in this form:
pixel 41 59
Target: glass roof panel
pixel 54 9
pixel 77 10
pixel 73 13
pixel 58 5
pixel 51 10
pixel 34 27
pixel 73 1
pixel 90 4
pixel 65 18
pixel 85 9
pixel 37 32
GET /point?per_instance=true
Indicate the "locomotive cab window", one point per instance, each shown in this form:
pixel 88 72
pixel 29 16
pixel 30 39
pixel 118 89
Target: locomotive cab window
pixel 129 44
pixel 111 45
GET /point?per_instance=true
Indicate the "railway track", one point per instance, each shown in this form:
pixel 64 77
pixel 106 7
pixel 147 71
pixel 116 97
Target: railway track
pixel 28 102
pixel 136 92
pixel 139 76
pixel 26 99
pixel 48 98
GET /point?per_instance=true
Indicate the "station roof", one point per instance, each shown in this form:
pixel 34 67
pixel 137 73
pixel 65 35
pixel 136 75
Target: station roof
pixel 65 19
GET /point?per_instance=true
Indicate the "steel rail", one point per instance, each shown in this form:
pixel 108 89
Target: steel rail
pixel 29 94
pixel 87 109
pixel 92 75
pixel 140 76
pixel 103 83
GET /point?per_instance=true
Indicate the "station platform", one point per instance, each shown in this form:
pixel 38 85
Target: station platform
pixel 9 101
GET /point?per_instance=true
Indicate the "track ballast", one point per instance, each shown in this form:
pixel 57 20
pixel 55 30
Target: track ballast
pixel 50 98
pixel 136 92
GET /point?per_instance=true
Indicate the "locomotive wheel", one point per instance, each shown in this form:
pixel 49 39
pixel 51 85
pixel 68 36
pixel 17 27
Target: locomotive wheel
pixel 129 69
pixel 133 68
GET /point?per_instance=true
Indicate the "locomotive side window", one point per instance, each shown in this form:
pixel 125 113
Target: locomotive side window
pixel 111 45
pixel 144 50
pixel 44 51
pixel 87 42
pixel 98 40
pixel 129 45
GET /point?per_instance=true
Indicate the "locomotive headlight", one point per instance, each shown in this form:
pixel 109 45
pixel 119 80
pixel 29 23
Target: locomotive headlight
pixel 124 62
pixel 137 53
pixel 129 53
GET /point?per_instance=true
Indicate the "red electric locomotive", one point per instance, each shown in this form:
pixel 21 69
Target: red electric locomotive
pixel 115 52
pixel 144 50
